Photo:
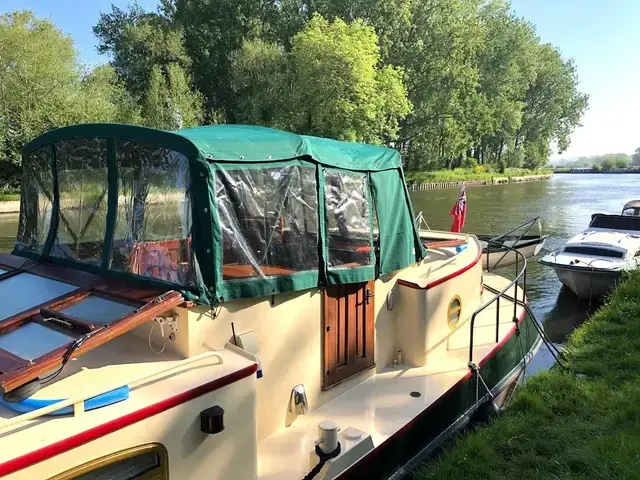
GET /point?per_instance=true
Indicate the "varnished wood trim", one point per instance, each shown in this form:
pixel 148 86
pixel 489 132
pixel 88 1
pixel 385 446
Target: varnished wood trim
pixel 161 472
pixel 52 360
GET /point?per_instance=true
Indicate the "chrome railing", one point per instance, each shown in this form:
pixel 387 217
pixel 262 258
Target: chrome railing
pixel 526 226
pixel 521 274
pixel 419 221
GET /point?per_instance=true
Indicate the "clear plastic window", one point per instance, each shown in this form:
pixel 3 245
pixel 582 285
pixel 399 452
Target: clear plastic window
pixel 36 201
pixel 348 219
pixel 84 187
pixel 153 228
pixel 269 221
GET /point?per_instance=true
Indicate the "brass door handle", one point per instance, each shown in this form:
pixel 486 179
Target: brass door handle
pixel 368 294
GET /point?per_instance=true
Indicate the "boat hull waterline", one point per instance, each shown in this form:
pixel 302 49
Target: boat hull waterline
pixel 585 282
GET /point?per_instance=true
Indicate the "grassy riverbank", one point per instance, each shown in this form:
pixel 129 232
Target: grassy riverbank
pixel 581 423
pixel 469 174
pixel 9 195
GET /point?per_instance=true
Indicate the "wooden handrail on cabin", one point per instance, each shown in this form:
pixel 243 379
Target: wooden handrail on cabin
pixel 444 243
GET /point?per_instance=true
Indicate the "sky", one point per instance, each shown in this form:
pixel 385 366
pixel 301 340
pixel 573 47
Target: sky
pixel 601 36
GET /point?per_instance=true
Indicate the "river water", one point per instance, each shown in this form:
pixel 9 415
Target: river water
pixel 564 203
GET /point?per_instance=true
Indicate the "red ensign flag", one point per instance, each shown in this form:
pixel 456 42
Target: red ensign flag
pixel 459 211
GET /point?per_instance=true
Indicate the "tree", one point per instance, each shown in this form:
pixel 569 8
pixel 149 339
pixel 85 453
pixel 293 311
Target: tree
pixel 101 97
pixel 138 42
pixel 622 162
pixel 259 81
pixel 213 31
pixel 608 164
pixel 168 102
pixel 553 107
pixel 635 158
pixel 338 88
pixel 42 86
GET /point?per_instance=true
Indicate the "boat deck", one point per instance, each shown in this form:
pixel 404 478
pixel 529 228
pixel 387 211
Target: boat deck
pixel 96 372
pixel 382 405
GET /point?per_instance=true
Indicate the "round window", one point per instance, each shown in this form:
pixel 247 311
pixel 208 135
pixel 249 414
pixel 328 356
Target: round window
pixel 454 312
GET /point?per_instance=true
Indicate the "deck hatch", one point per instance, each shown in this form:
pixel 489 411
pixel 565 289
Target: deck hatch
pixel 45 321
pixel 32 340
pixel 24 291
pixel 98 310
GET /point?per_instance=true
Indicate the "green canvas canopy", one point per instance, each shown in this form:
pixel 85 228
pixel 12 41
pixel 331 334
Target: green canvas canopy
pixel 220 212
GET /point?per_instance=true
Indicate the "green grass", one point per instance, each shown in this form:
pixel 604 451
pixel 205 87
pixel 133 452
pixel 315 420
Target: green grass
pixel 7 195
pixel 578 423
pixel 467 174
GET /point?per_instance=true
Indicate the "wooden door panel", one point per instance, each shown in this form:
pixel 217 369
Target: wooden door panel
pixel 348 323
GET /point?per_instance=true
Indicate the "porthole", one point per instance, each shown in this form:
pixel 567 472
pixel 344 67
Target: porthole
pixel 454 312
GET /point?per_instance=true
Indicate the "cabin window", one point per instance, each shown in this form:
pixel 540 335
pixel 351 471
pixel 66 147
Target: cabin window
pixel 454 312
pixel 595 251
pixel 83 186
pixel 153 228
pixel 145 462
pixel 35 201
pixel 268 219
pixel 348 219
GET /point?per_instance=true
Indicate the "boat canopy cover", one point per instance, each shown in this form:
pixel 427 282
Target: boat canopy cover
pixel 222 212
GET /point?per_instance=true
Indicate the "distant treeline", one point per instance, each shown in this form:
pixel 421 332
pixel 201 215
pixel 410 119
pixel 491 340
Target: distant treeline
pixel 603 162
pixel 450 83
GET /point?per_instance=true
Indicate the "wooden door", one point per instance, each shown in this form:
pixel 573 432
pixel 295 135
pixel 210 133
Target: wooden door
pixel 348 323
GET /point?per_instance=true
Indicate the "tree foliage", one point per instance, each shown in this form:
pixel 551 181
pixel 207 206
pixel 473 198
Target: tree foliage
pixel 448 82
pixel 337 87
pixel 43 86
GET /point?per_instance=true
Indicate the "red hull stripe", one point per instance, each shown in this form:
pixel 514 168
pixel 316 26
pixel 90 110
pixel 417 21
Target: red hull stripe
pixel 410 425
pixel 94 433
pixel 437 282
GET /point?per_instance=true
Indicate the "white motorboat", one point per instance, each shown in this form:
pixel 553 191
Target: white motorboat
pixel 590 264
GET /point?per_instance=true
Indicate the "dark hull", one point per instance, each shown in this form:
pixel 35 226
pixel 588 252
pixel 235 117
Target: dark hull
pixel 452 412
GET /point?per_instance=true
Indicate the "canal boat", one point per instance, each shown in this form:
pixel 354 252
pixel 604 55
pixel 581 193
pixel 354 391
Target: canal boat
pixel 591 263
pixel 235 302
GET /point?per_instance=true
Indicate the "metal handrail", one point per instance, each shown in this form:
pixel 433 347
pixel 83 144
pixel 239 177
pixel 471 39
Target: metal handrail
pixel 528 224
pixel 519 274
pixel 419 220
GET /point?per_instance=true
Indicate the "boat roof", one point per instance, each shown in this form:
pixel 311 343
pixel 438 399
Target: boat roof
pixel 217 212
pixel 616 240
pixel 239 143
